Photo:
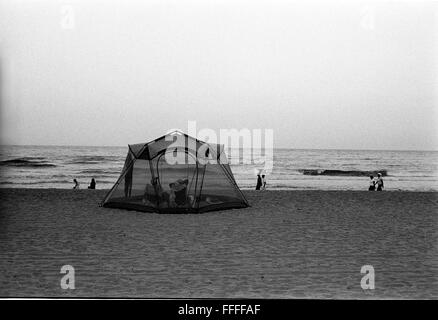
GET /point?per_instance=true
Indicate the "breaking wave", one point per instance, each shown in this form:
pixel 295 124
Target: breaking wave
pixel 27 162
pixel 93 159
pixel 99 172
pixel 348 173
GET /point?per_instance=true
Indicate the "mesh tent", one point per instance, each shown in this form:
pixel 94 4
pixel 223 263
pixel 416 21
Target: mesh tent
pixel 176 173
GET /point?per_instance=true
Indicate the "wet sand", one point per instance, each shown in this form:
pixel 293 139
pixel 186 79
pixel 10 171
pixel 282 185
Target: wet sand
pixel 288 244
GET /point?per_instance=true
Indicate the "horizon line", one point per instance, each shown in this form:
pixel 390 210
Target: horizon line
pixel 285 148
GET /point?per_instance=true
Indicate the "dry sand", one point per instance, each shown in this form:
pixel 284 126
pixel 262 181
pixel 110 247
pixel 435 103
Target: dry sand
pixel 289 244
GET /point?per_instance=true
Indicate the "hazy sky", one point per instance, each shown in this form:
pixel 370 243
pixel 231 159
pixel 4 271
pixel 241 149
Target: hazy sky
pixel 359 75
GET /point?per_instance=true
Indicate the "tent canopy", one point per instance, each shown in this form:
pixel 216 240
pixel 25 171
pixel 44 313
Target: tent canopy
pixel 176 173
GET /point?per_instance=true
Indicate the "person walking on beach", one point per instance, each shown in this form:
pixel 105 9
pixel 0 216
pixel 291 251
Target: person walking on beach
pixel 76 186
pixel 263 182
pixel 259 182
pixel 379 182
pixel 372 184
pixel 92 184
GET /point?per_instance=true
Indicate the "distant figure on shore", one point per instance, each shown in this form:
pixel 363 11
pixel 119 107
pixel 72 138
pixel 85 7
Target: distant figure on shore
pixel 92 184
pixel 76 186
pixel 379 182
pixel 259 182
pixel 263 182
pixel 372 184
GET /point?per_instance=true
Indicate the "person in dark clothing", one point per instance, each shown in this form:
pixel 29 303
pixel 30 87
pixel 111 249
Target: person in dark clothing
pixel 92 184
pixel 379 182
pixel 259 182
pixel 372 184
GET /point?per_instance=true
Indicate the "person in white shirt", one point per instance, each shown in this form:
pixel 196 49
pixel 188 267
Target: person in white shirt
pixel 263 182
pixel 379 182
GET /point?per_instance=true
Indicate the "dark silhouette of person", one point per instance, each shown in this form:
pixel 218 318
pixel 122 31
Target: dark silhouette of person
pixel 379 182
pixel 92 184
pixel 372 184
pixel 259 182
pixel 76 186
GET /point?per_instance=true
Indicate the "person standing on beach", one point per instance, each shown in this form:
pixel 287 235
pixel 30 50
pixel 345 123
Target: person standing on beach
pixel 263 182
pixel 76 186
pixel 379 182
pixel 259 182
pixel 372 184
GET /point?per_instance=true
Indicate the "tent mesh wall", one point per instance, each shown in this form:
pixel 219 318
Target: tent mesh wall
pixel 174 180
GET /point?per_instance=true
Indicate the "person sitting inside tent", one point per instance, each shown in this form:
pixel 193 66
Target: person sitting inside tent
pixel 152 191
pixel 180 189
pixel 178 193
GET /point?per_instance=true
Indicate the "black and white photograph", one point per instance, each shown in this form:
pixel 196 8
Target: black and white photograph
pixel 219 149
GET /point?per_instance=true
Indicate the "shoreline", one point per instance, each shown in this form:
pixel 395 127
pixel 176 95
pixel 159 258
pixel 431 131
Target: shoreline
pixel 288 244
pixel 241 188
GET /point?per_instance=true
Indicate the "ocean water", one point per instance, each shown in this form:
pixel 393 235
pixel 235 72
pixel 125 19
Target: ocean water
pixel 57 166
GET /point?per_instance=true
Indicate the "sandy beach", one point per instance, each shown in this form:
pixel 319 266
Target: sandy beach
pixel 288 244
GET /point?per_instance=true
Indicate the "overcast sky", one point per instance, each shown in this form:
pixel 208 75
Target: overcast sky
pixel 346 75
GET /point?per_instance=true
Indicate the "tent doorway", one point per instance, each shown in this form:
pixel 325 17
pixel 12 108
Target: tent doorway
pixel 178 175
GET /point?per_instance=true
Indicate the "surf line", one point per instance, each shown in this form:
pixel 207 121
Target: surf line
pixel 206 311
